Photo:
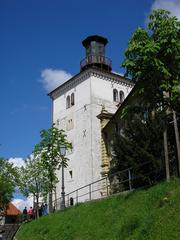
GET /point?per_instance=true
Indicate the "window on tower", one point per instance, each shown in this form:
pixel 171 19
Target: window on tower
pixel 71 174
pixel 72 99
pixel 115 95
pixel 68 102
pixel 121 96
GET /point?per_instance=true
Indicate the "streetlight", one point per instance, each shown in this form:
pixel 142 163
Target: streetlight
pixel 62 153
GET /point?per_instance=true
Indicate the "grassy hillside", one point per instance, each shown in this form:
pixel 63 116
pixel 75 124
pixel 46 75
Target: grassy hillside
pixel 145 214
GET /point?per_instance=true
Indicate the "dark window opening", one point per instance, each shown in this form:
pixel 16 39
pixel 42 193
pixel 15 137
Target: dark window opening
pixel 68 102
pixel 71 174
pixel 121 96
pixel 72 99
pixel 115 95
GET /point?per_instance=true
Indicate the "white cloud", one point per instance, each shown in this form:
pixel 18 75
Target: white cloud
pixel 21 204
pixel 18 162
pixel 172 5
pixel 52 78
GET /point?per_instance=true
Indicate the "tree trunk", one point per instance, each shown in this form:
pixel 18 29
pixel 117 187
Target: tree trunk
pixel 34 201
pixel 55 192
pixel 51 196
pixel 50 201
pixel 166 155
pixel 177 140
pixel 37 199
pixel 37 205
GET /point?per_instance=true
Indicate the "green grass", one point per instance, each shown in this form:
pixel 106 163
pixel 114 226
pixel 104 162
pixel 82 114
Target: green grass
pixel 152 214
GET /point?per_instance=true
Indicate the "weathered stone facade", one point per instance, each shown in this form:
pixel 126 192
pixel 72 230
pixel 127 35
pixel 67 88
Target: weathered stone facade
pixel 93 92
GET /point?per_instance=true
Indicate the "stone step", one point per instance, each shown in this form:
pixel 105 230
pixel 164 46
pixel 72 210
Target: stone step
pixel 9 230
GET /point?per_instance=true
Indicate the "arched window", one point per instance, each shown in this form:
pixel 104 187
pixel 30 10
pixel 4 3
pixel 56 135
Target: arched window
pixel 115 95
pixel 121 96
pixel 72 99
pixel 68 102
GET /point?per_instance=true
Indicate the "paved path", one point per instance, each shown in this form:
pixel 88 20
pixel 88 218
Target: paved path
pixel 9 230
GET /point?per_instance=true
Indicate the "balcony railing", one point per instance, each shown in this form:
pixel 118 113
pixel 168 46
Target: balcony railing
pixel 96 61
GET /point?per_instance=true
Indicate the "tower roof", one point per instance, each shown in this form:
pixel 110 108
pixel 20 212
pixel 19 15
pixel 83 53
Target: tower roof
pixel 96 38
pixel 95 54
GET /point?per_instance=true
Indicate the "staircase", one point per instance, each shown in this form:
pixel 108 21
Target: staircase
pixel 9 231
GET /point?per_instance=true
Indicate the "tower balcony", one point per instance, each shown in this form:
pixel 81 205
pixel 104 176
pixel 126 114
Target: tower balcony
pixel 96 61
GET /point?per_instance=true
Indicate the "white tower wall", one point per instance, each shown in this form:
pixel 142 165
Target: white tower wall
pixel 93 90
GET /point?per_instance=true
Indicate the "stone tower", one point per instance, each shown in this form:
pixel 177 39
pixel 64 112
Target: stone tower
pixel 80 107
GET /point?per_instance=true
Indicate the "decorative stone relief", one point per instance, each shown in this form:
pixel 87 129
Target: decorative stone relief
pixel 84 133
pixel 85 107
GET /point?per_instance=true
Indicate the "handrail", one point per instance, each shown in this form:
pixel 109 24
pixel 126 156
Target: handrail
pixel 96 59
pixel 84 186
pixel 124 181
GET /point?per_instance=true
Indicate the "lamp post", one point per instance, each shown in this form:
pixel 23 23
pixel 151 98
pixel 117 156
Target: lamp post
pixel 62 153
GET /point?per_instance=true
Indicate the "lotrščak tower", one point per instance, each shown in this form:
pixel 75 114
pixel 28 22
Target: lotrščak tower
pixel 81 106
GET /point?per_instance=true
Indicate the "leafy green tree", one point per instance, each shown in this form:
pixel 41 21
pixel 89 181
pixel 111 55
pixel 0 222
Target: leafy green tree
pixel 49 151
pixel 8 181
pixel 139 147
pixel 153 59
pixel 34 180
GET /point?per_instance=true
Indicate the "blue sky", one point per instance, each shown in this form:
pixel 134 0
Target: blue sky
pixel 40 47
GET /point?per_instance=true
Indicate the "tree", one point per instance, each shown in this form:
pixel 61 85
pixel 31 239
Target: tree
pixel 153 59
pixel 139 147
pixel 49 151
pixel 34 180
pixel 8 180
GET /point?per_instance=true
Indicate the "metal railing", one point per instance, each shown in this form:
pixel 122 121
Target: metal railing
pixel 121 181
pixel 96 60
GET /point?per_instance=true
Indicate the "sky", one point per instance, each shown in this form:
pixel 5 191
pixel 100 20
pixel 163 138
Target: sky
pixel 40 48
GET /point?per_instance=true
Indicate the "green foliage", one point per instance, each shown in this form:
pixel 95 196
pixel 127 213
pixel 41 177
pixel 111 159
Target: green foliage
pixel 140 142
pixel 8 181
pixel 33 178
pixel 153 57
pixel 151 214
pixel 48 150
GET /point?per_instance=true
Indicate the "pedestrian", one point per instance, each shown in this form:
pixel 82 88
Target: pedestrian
pixel 45 209
pixel 25 214
pixel 42 209
pixel 30 213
